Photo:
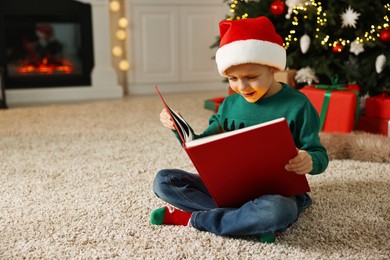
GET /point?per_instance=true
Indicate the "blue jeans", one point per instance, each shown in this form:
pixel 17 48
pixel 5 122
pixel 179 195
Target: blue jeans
pixel 262 216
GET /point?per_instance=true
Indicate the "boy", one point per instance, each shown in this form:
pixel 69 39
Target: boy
pixel 250 53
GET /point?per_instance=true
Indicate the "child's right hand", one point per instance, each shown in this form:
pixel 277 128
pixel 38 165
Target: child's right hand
pixel 166 120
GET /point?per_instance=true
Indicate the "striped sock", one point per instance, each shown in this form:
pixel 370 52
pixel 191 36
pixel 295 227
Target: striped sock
pixel 170 216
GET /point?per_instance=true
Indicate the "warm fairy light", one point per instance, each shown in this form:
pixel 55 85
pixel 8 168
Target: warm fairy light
pixel 124 65
pixel 123 22
pixel 121 35
pixel 322 21
pixel 233 7
pixel 117 51
pixel 115 6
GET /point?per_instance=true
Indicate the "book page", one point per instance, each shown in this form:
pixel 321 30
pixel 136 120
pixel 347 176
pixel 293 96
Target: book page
pixel 181 126
pixel 212 138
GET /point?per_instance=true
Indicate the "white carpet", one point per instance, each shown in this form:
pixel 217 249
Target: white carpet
pixel 75 182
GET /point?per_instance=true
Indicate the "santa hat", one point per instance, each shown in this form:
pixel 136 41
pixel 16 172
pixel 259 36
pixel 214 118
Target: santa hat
pixel 251 40
pixel 45 29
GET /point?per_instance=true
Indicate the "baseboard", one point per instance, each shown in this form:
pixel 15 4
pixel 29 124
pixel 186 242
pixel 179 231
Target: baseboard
pixel 61 95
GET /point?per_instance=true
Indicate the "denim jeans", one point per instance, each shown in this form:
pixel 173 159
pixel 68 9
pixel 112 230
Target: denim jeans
pixel 265 215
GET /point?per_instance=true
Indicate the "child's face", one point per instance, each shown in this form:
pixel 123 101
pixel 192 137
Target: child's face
pixel 250 80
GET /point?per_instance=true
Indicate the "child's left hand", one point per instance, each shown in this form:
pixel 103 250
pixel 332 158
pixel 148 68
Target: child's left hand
pixel 300 164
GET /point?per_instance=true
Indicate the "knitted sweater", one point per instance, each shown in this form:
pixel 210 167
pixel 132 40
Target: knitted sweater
pixel 235 112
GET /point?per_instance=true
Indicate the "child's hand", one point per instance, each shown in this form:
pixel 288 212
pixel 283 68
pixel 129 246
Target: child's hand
pixel 166 120
pixel 300 164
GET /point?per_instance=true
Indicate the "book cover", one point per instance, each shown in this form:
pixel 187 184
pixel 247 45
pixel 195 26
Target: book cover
pixel 241 165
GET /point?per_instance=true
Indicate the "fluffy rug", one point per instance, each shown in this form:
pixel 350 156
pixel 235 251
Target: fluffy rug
pixel 76 183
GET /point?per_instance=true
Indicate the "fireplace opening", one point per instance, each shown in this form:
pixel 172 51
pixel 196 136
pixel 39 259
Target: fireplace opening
pixel 46 43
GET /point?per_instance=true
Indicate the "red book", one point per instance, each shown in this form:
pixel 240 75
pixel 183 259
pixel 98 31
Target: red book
pixel 241 165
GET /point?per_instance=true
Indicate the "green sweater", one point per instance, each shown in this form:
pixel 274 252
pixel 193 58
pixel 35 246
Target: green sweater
pixel 235 112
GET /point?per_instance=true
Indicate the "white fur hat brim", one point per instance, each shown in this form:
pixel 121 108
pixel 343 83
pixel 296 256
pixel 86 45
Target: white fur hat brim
pixel 250 51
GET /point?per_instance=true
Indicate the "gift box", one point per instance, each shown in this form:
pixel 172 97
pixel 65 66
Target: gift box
pixel 287 76
pixel 337 105
pixel 378 106
pixel 374 125
pixel 213 104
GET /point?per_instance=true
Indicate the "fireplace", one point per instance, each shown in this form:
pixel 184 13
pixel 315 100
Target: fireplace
pixel 46 43
pixel 44 53
pixel 48 50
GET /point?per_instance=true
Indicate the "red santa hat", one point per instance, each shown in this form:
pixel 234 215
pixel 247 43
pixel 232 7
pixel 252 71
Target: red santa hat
pixel 251 40
pixel 45 29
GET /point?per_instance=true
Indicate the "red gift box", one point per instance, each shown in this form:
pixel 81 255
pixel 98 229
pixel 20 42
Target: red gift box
pixel 378 106
pixel 374 125
pixel 214 103
pixel 340 110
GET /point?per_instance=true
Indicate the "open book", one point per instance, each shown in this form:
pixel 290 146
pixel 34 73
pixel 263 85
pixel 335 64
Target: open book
pixel 241 165
pixel 181 126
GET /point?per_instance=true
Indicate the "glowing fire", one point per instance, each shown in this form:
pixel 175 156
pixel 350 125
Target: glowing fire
pixel 44 66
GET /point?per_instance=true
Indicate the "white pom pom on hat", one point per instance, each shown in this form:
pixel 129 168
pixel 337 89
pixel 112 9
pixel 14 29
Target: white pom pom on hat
pixel 250 40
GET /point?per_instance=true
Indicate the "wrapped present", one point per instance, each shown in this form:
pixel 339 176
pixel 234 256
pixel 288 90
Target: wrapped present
pixel 378 106
pixel 374 125
pixel 336 104
pixel 213 104
pixel 287 76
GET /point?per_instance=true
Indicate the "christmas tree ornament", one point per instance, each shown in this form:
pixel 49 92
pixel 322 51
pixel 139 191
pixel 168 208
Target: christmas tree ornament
pixel 337 48
pixel 306 75
pixel 349 18
pixel 304 43
pixel 356 47
pixel 277 7
pixel 379 63
pixel 384 35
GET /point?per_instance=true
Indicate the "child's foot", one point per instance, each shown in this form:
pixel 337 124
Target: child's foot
pixel 170 216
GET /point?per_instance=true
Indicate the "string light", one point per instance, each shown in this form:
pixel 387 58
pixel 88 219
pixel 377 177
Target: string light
pixel 115 6
pixel 124 65
pixel 321 22
pixel 119 28
pixel 121 35
pixel 117 51
pixel 123 22
pixel 233 7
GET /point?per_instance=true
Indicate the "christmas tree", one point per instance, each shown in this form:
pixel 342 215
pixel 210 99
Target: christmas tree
pixel 344 40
